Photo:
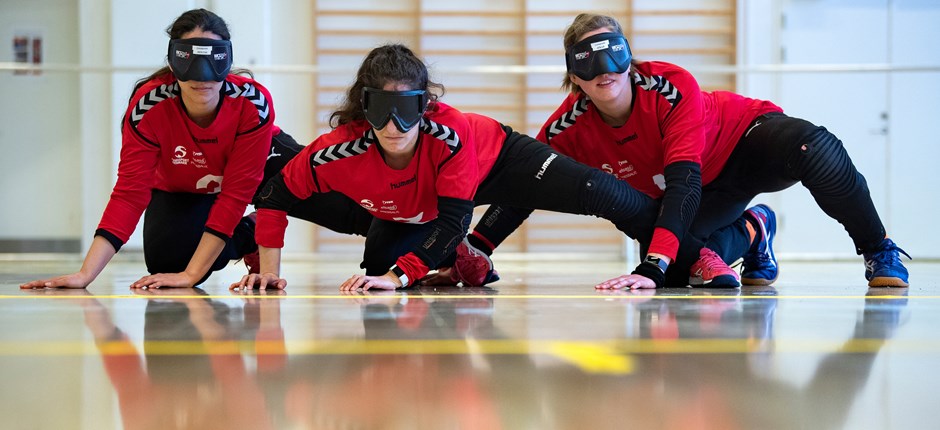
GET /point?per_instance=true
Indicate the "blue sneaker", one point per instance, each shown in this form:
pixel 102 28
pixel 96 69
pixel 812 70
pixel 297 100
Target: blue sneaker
pixel 760 265
pixel 883 267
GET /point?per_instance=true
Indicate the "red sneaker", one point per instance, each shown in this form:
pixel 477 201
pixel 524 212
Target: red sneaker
pixel 252 262
pixel 474 267
pixel 711 271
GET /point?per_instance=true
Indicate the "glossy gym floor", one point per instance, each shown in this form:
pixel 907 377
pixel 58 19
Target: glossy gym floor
pixel 539 350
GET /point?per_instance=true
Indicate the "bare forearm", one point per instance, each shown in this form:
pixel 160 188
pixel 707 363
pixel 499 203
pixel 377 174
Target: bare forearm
pixel 99 255
pixel 208 250
pixel 270 260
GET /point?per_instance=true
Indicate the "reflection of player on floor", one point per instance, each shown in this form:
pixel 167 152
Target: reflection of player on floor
pixel 734 390
pixel 211 390
pixel 463 391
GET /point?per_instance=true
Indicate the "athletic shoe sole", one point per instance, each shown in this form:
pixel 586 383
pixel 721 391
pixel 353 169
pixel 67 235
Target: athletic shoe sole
pixel 721 281
pixel 887 281
pixel 771 231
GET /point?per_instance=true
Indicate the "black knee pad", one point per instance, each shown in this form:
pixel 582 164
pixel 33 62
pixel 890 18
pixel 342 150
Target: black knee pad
pixel 824 166
pixel 607 197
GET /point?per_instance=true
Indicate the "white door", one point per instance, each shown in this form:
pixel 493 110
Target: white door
pixel 914 144
pixel 853 106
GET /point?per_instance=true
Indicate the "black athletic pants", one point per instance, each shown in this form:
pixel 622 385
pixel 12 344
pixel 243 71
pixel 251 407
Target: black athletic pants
pixel 775 153
pixel 175 222
pixel 528 174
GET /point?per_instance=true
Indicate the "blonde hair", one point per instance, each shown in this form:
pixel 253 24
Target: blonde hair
pixel 583 24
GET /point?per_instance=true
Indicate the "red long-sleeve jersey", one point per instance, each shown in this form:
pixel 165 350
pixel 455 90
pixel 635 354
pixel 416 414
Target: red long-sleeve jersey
pixel 454 154
pixel 162 148
pixel 672 120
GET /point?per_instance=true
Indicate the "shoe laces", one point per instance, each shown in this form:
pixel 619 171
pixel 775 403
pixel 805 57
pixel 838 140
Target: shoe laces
pixel 712 261
pixel 888 254
pixel 761 257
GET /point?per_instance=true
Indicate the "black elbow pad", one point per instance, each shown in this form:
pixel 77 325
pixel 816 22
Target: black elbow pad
pixel 450 227
pixel 682 197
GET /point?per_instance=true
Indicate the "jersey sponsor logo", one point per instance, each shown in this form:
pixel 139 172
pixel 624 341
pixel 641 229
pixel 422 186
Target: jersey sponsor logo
pixel 366 203
pixel 623 169
pixel 567 119
pixel 199 160
pixel 626 169
pixel 400 184
pixel 388 207
pixel 660 85
pixel 629 138
pixel 548 161
pixel 179 156
pixel 207 140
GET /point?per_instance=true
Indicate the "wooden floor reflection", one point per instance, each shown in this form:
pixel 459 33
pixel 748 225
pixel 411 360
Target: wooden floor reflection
pixel 539 350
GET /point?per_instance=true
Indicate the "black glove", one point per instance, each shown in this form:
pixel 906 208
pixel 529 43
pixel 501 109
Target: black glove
pixel 651 270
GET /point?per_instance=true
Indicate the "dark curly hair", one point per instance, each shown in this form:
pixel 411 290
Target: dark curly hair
pixel 393 63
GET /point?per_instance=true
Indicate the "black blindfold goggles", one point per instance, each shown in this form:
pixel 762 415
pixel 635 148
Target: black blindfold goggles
pixel 200 59
pixel 599 54
pixel 404 108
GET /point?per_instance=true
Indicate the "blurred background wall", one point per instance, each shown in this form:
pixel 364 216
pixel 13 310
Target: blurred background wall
pixel 866 69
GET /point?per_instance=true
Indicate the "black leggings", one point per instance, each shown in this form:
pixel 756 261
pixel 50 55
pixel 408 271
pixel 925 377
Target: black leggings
pixel 332 210
pixel 777 152
pixel 529 174
pixel 175 222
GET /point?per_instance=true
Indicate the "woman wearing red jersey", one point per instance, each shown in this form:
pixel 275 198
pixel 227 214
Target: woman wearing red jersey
pixel 703 156
pixel 189 126
pixel 419 166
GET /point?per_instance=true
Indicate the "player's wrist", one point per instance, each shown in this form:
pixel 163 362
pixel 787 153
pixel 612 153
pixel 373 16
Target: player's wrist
pixel 654 269
pixel 399 276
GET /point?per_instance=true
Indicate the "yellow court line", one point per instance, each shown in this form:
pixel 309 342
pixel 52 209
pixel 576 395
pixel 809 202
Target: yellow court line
pixel 571 350
pixel 591 357
pixel 458 296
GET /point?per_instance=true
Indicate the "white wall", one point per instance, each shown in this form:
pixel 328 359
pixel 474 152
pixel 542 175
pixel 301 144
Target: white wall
pixel 913 189
pixel 59 132
pixel 894 153
pixel 39 127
